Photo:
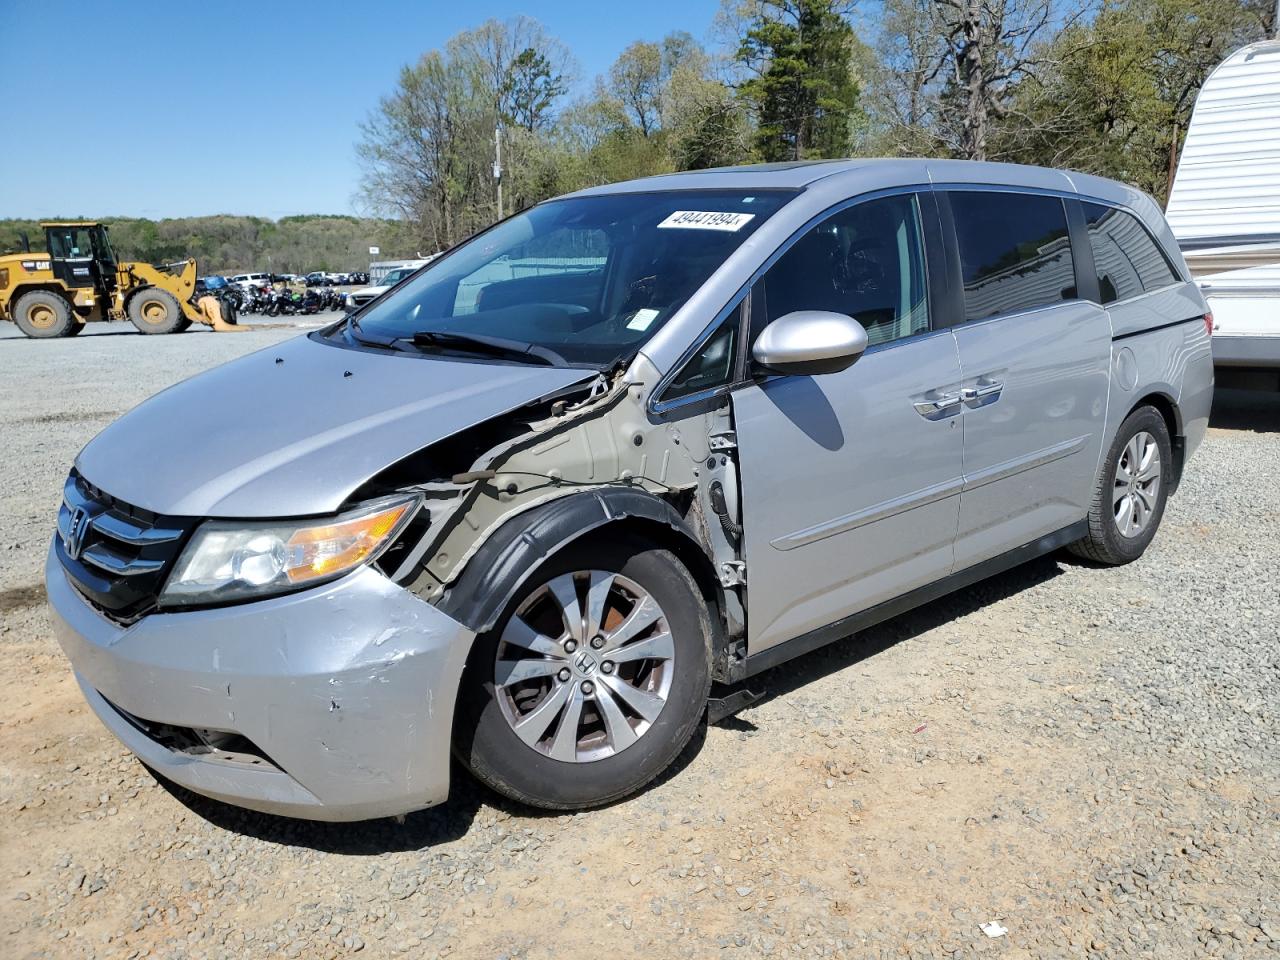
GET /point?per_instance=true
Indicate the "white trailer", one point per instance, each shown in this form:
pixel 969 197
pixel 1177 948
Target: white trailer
pixel 1224 209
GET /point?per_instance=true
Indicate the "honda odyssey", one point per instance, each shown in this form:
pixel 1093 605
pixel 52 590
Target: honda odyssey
pixel 526 507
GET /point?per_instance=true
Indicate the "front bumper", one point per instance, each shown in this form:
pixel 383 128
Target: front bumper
pixel 346 690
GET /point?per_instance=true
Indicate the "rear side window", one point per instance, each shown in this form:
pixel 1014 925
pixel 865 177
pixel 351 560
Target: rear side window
pixel 1015 253
pixel 1128 260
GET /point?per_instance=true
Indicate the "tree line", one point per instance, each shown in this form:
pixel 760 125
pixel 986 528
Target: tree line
pixel 1102 86
pixel 233 244
pixel 1106 87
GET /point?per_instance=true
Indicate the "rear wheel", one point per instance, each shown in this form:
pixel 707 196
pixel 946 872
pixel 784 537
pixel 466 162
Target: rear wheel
pixel 1132 488
pixel 593 681
pixel 43 315
pixel 155 311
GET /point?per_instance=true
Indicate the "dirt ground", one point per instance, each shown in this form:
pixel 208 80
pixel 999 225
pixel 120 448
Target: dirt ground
pixel 1085 756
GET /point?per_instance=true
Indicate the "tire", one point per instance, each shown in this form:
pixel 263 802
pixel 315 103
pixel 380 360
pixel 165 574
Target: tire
pixel 1120 534
pixel 76 329
pixel 42 315
pixel 228 311
pixel 153 310
pixel 614 750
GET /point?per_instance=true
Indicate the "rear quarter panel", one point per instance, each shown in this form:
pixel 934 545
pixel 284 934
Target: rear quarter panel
pixel 1153 353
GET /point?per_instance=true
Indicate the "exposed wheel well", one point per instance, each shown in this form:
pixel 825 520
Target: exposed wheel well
pixel 687 551
pixel 504 562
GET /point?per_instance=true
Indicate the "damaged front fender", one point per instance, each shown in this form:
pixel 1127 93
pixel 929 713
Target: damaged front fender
pixel 506 559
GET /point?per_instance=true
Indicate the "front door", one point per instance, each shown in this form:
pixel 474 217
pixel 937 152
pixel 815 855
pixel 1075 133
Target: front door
pixel 71 250
pixel 1035 361
pixel 850 481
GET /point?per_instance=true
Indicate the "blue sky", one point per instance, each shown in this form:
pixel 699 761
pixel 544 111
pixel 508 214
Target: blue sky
pixel 162 110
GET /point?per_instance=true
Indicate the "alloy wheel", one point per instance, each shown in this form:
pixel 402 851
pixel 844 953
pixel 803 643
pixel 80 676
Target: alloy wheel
pixel 1137 485
pixel 584 666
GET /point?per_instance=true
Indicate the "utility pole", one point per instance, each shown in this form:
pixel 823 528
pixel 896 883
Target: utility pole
pixel 497 162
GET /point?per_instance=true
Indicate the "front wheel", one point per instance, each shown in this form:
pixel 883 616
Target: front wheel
pixel 1132 488
pixel 592 682
pixel 153 310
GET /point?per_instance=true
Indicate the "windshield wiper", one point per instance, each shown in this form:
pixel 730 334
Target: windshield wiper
pixel 492 346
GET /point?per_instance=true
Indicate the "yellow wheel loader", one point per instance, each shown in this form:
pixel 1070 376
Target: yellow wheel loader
pixel 78 279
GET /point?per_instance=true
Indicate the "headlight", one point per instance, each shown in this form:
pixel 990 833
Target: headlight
pixel 228 560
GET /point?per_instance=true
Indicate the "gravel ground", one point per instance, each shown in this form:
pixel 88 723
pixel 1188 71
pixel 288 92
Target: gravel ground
pixel 1086 756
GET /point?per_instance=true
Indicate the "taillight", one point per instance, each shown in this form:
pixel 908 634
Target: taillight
pixel 1208 324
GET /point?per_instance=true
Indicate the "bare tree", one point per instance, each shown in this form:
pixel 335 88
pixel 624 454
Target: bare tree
pixel 952 69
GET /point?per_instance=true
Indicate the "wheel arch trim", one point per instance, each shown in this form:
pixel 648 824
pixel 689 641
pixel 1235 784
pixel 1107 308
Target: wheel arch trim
pixel 21 290
pixel 1164 404
pixel 513 553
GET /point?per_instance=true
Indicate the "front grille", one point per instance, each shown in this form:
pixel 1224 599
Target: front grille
pixel 115 554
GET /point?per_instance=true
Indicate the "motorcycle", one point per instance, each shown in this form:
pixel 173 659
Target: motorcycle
pixel 255 300
pixel 283 303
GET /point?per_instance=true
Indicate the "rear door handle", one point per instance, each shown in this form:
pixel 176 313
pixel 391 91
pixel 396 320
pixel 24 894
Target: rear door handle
pixel 933 409
pixel 983 390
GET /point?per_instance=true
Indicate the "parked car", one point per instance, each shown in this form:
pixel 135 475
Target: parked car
pixel 1224 209
pixel 358 298
pixel 211 284
pixel 246 280
pixel 525 508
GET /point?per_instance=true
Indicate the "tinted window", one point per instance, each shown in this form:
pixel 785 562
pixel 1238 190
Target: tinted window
pixel 866 262
pixel 1014 252
pixel 1128 260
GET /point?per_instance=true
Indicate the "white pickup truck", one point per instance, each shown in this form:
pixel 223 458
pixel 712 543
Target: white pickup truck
pixel 358 298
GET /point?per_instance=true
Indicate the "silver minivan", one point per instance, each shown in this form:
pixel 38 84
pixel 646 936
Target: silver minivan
pixel 529 506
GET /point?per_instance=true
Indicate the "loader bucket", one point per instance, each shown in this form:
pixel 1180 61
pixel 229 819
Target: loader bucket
pixel 210 314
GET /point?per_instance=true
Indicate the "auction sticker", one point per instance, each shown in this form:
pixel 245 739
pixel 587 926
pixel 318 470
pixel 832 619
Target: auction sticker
pixel 706 220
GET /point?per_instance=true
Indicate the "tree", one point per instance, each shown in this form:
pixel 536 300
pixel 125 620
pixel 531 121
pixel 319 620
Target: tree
pixel 1120 95
pixel 705 123
pixel 532 86
pixel 635 81
pixel 427 151
pixel 659 109
pixel 799 54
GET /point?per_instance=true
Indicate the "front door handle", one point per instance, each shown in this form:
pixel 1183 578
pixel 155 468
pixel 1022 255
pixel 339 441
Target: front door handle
pixel 935 408
pixel 983 390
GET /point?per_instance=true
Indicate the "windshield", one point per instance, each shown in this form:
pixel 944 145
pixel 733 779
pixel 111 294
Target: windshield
pixel 394 277
pixel 585 280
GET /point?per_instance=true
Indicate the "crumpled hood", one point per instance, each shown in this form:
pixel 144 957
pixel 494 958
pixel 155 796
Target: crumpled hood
pixel 294 429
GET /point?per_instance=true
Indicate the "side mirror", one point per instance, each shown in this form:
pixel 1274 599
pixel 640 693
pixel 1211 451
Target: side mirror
pixel 810 342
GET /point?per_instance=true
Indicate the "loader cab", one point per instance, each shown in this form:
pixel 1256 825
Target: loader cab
pixel 81 254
